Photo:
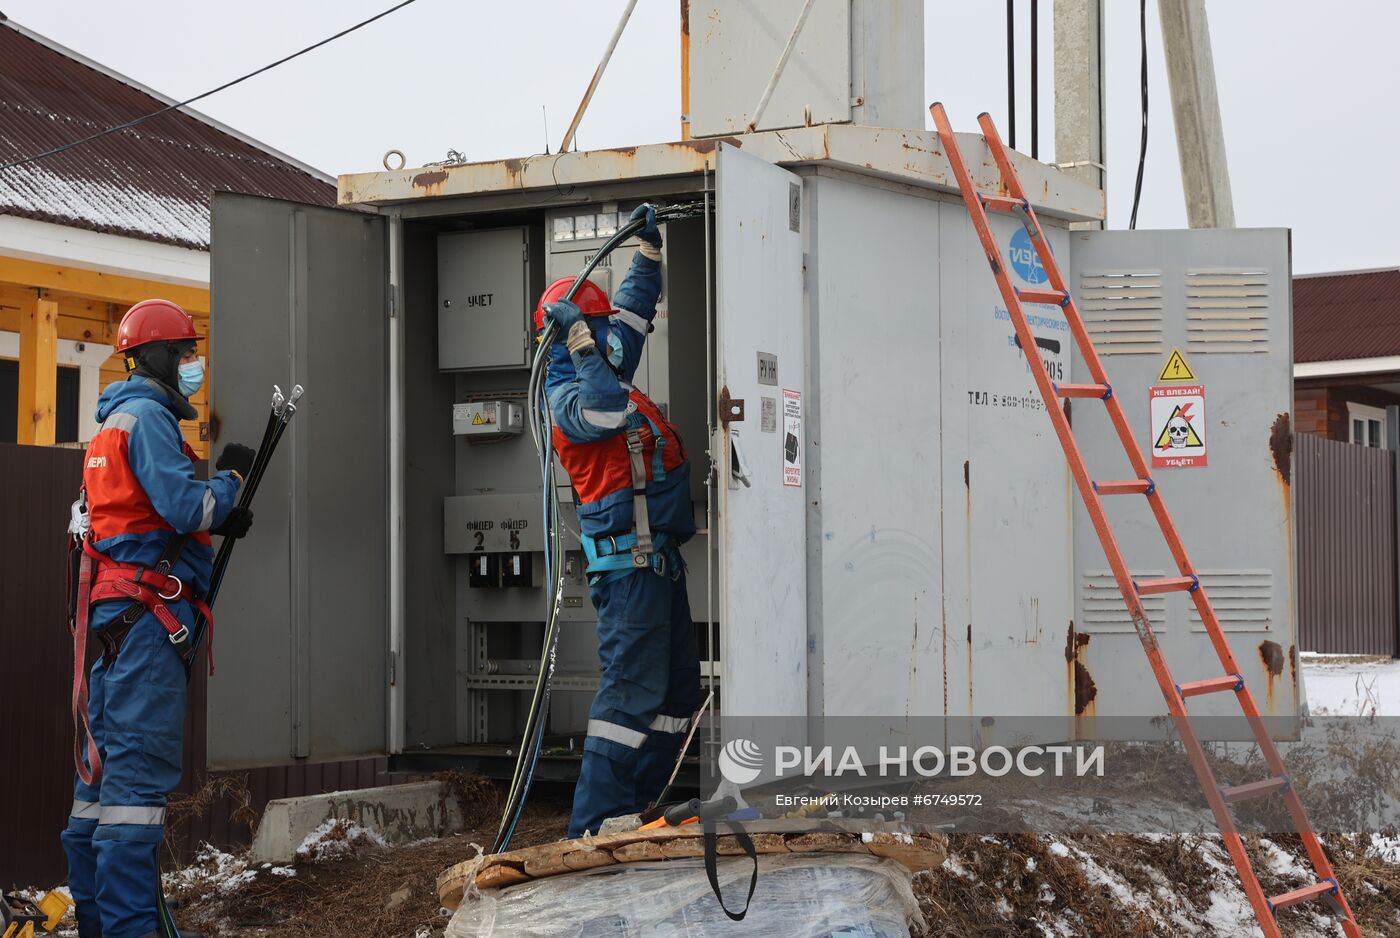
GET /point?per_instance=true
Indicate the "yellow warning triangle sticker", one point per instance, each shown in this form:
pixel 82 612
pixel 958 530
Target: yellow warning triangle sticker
pixel 1176 368
pixel 477 421
pixel 1164 439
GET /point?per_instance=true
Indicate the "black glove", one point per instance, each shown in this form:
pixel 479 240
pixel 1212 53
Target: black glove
pixel 649 233
pixel 237 523
pixel 237 457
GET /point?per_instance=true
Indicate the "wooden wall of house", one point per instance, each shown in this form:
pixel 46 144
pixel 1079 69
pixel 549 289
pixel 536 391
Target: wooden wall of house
pixel 85 320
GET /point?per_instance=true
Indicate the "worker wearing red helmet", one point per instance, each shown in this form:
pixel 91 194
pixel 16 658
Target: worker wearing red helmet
pixel 631 481
pixel 144 521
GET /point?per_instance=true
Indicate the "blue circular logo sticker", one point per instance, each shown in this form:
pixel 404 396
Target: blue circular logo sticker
pixel 1025 260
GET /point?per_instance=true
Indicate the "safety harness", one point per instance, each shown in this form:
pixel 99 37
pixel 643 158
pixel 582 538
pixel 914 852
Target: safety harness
pixel 98 578
pixel 611 555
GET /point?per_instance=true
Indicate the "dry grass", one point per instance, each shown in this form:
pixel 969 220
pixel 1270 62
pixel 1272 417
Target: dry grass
pixel 1005 895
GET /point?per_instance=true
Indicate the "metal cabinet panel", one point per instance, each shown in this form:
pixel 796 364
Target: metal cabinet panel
pixel 763 546
pixel 876 580
pixel 299 295
pixel 733 48
pixel 483 299
pixel 1006 512
pixel 1223 298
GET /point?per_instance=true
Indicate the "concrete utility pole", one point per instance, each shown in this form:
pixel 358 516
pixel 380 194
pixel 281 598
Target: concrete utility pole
pixel 1200 139
pixel 1079 91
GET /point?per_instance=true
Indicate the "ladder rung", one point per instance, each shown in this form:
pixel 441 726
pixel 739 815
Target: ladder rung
pixel 1234 682
pixel 1255 789
pixel 1126 487
pixel 1052 297
pixel 1001 203
pixel 1328 887
pixel 1173 584
pixel 1104 391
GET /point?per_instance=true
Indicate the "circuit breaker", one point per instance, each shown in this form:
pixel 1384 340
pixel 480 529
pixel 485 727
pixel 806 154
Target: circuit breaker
pixel 487 420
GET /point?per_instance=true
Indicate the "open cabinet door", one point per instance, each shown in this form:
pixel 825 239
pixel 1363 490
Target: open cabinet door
pixel 299 295
pixel 1197 322
pixel 761 363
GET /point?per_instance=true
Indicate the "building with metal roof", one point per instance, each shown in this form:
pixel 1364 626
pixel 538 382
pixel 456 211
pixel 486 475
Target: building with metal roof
pixel 86 232
pixel 1346 353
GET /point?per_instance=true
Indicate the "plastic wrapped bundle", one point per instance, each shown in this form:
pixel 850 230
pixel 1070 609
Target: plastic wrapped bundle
pixel 812 895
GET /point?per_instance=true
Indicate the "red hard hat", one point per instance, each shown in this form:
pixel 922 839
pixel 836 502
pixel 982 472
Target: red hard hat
pixel 591 299
pixel 154 321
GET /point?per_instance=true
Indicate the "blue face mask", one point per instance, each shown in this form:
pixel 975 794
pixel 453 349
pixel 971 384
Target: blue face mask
pixel 614 349
pixel 191 376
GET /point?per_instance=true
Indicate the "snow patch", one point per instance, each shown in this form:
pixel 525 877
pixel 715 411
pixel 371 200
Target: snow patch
pixel 1351 685
pixel 336 838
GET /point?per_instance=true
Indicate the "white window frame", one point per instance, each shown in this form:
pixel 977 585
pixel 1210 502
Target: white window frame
pixel 1364 413
pixel 87 357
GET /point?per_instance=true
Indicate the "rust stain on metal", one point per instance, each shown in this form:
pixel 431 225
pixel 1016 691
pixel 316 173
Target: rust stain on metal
pixel 1281 446
pixel 967 474
pixel 969 667
pixel 1271 653
pixel 945 671
pixel 1293 663
pixel 1083 691
pixel 430 180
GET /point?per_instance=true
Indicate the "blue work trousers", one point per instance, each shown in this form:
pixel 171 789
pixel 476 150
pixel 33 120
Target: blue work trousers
pixel 650 688
pixel 136 707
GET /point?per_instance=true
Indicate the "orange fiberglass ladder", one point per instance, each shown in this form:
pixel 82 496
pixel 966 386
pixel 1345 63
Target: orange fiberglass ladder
pixel 1219 798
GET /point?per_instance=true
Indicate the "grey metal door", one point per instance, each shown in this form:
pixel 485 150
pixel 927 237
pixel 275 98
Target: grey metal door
pixel 763 543
pixel 1222 299
pixel 299 295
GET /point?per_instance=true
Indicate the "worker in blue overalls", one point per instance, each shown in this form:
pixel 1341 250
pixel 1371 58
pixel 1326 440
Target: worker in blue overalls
pixel 142 524
pixel 631 483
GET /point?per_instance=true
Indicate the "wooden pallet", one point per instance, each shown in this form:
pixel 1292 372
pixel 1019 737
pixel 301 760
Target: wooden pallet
pixel 917 852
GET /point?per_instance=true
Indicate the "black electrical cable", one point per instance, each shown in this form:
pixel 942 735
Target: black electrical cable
pixel 199 97
pixel 542 428
pixel 1011 73
pixel 1035 79
pixel 1142 153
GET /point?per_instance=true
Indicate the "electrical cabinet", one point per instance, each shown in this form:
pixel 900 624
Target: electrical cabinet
pixel 483 301
pixel 886 523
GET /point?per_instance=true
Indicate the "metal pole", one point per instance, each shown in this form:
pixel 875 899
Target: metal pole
pixel 1011 73
pixel 782 64
pixel 597 76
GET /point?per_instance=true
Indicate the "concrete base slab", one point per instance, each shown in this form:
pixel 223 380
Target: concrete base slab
pixel 398 813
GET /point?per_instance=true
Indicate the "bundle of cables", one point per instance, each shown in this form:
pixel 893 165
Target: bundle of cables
pixel 542 431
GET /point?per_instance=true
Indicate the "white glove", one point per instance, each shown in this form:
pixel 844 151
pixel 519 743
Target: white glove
pixel 579 338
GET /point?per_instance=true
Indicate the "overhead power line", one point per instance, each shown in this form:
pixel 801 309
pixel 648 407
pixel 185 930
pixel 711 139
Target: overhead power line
pixel 199 97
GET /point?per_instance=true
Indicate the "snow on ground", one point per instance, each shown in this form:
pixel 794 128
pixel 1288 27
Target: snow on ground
pixel 1208 904
pixel 1351 685
pixel 336 838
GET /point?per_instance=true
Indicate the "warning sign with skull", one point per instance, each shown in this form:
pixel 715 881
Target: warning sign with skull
pixel 1178 426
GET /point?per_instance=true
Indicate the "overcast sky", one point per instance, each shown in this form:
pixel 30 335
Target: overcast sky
pixel 1307 90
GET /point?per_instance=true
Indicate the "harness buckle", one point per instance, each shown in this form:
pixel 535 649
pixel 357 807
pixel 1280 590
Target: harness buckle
pixel 178 638
pixel 179 589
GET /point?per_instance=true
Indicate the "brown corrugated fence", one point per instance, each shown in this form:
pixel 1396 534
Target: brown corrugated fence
pixel 37 485
pixel 1345 509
